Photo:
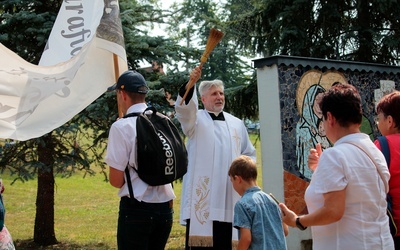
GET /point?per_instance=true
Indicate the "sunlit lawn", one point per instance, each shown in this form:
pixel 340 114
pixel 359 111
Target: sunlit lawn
pixel 86 211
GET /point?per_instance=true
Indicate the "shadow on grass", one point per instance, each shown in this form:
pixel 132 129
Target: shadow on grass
pixel 30 244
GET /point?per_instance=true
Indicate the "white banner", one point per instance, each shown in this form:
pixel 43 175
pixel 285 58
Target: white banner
pixel 34 100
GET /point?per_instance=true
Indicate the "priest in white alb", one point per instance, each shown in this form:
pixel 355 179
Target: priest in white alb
pixel 215 139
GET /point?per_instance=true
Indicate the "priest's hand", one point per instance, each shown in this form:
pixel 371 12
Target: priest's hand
pixel 194 77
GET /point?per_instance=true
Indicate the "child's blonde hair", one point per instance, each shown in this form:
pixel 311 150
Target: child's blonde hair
pixel 244 167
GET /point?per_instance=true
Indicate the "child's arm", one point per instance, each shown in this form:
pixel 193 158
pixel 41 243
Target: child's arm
pixel 245 239
pixel 285 228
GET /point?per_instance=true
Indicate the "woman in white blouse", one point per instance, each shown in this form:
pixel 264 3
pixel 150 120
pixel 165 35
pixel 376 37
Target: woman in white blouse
pixel 346 198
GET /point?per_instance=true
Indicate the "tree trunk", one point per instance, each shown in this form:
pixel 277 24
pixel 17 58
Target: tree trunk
pixel 44 234
pixel 365 36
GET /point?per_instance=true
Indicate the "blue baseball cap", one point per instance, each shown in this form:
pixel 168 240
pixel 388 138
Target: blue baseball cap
pixel 131 81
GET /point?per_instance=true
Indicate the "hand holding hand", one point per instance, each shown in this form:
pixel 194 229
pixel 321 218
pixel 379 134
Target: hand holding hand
pixel 313 157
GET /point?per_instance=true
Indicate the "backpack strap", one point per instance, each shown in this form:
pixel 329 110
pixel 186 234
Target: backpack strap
pixel 385 148
pixel 153 109
pixel 372 159
pixel 128 176
pixel 129 183
pixel 386 152
pixel 132 114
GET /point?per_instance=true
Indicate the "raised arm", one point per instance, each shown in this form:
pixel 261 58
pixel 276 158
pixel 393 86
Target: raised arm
pixel 186 111
pixel 194 77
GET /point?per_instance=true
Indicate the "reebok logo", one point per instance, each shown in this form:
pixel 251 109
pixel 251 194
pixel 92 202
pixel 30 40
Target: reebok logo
pixel 169 154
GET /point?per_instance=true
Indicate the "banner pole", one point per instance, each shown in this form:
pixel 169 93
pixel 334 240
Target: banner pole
pixel 116 73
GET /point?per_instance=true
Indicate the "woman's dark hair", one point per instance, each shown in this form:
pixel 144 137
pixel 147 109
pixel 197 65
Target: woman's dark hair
pixel 390 105
pixel 343 101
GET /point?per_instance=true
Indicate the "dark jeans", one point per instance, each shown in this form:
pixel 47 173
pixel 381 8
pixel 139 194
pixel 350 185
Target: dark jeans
pixel 222 236
pixel 143 225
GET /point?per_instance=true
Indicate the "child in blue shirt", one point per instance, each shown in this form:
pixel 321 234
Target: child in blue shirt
pixel 256 214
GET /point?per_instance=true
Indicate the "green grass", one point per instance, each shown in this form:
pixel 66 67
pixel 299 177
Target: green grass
pixel 86 212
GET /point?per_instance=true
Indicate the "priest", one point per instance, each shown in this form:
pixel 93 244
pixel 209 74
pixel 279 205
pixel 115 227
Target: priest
pixel 215 139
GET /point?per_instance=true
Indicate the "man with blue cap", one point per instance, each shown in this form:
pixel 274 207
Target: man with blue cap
pixel 145 220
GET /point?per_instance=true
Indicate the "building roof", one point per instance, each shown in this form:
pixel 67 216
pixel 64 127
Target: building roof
pixel 324 63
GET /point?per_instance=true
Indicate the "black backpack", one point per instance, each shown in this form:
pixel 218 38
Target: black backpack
pixel 161 152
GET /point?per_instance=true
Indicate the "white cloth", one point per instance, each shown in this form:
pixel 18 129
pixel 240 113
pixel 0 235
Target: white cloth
pixel 121 148
pixel 6 241
pixel 207 193
pixel 364 224
pixel 34 100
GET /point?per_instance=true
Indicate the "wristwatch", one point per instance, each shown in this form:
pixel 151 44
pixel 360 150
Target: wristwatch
pixel 298 224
